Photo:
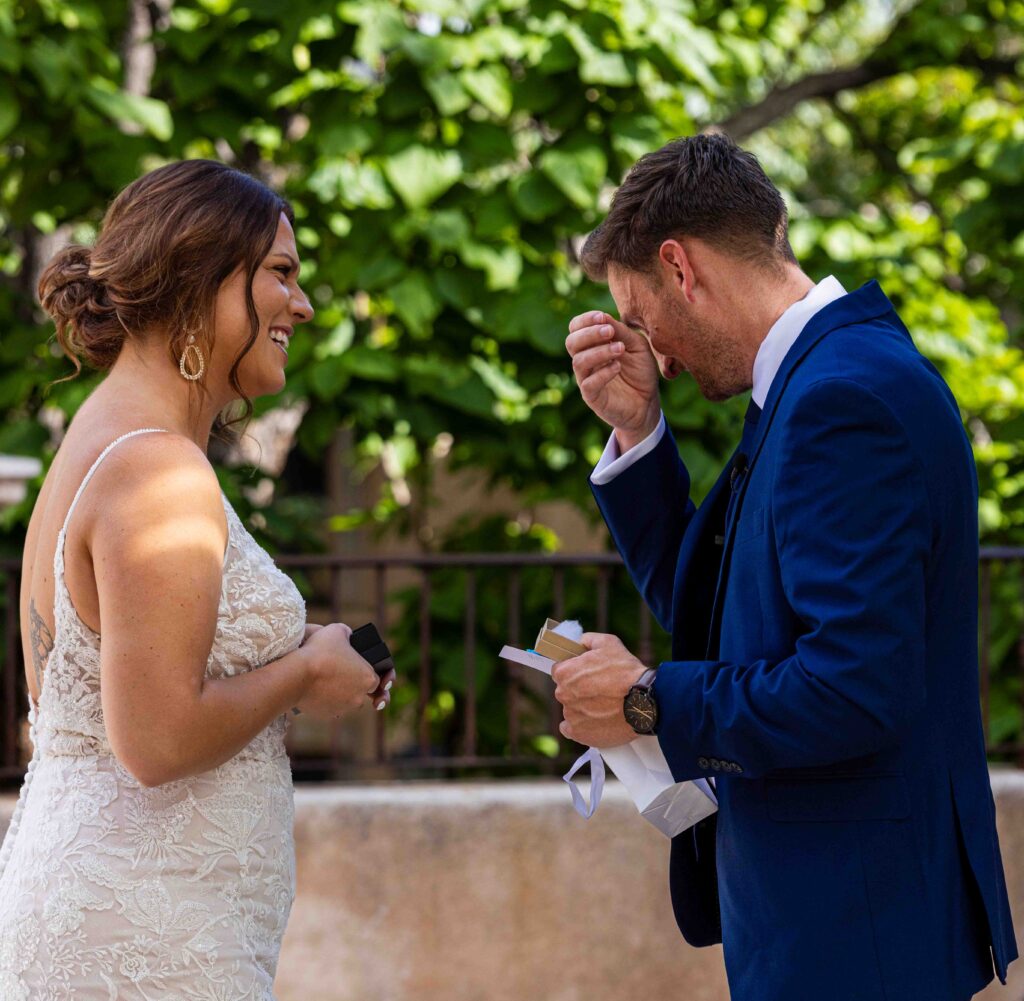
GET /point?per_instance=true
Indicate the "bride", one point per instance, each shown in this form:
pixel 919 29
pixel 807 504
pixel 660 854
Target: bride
pixel 150 856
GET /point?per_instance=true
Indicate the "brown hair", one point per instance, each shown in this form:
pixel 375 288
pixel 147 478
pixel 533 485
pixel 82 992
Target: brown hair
pixel 703 186
pixel 166 244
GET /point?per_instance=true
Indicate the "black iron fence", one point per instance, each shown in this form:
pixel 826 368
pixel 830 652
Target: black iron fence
pixel 457 709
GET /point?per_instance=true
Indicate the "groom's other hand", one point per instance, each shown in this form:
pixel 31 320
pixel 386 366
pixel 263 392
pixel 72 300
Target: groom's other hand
pixel 591 688
pixel 617 374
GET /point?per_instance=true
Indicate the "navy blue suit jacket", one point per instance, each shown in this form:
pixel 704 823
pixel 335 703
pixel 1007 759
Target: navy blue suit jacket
pixel 825 673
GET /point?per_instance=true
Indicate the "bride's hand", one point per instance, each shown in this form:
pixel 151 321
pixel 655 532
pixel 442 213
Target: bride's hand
pixel 381 697
pixel 339 679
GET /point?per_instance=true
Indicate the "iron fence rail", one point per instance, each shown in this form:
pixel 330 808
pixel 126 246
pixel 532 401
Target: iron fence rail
pixel 405 745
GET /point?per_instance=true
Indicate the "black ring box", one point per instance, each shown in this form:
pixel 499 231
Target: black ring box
pixel 367 642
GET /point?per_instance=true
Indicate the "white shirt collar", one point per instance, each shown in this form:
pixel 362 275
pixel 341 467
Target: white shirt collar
pixel 786 330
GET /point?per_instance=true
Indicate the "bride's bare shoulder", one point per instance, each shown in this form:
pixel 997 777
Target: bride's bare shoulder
pixel 154 479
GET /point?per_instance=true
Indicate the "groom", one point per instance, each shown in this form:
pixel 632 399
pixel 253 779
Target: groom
pixel 822 601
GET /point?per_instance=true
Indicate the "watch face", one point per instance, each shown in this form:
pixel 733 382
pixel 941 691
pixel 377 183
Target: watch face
pixel 641 711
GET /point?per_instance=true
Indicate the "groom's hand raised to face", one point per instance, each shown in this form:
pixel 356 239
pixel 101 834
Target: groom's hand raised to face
pixel 591 689
pixel 617 375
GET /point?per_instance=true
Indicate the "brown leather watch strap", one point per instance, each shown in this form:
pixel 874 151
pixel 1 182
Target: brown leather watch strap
pixel 646 679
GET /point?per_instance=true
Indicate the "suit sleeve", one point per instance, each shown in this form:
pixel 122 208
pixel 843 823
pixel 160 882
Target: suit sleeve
pixel 852 527
pixel 647 508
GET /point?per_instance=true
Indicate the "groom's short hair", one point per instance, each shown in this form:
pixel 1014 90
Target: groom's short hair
pixel 702 186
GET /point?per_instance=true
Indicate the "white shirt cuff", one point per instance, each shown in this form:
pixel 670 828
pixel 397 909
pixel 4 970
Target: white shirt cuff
pixel 612 463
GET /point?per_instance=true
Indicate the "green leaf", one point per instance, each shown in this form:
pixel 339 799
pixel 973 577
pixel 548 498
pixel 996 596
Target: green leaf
pixel 558 56
pixel 578 173
pixel 843 242
pixel 153 115
pixel 529 315
pixel 503 387
pixel 416 302
pixel 337 342
pixel 635 135
pixel 356 185
pixel 379 271
pixel 448 94
pixel 1008 165
pixel 382 28
pixel 426 51
pixel 491 86
pixel 486 144
pixel 460 288
pixel 329 377
pixel 340 139
pixel 371 364
pixel 52 66
pixel 503 266
pixel 608 68
pixel 495 219
pixel 465 394
pixel 535 197
pixel 23 437
pixel 597 65
pixel 421 175
pixel 447 229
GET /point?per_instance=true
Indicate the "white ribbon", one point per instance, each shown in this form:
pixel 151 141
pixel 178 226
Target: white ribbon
pixel 591 756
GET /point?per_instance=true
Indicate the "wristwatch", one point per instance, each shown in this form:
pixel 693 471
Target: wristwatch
pixel 639 705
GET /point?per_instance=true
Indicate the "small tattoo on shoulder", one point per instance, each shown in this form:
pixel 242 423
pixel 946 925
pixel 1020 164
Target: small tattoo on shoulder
pixel 41 640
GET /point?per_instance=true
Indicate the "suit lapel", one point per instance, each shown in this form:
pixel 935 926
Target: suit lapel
pixel 866 303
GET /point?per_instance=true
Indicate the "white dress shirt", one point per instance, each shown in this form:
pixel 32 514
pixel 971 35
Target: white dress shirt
pixel 774 348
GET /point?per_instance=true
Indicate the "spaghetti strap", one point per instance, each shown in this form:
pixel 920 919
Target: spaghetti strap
pixel 60 591
pixel 93 467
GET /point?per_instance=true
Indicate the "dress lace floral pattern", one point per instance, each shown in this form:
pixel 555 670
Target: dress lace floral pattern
pixel 116 892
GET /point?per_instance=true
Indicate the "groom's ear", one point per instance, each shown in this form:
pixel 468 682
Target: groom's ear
pixel 676 268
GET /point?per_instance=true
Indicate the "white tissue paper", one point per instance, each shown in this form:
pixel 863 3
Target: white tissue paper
pixel 640 766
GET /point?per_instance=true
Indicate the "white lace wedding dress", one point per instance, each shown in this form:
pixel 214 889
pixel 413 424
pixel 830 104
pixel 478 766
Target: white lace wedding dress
pixel 180 892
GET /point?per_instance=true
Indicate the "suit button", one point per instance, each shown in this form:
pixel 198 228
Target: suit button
pixel 703 763
pixel 737 768
pixel 716 764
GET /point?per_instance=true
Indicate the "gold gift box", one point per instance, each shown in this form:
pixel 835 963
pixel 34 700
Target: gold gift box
pixel 557 648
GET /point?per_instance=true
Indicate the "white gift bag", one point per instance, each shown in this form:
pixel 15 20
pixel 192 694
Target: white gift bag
pixel 640 766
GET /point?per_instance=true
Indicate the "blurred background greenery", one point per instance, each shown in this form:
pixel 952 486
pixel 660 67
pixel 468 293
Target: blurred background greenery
pixel 445 157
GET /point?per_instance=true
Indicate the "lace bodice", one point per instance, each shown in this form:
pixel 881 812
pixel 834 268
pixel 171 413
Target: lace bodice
pixel 109 889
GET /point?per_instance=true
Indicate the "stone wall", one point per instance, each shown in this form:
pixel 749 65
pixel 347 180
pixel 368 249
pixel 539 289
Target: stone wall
pixel 500 892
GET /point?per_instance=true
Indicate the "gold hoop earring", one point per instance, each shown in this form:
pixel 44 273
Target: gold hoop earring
pixel 192 346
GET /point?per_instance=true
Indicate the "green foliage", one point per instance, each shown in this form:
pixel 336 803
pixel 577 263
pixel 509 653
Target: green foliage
pixel 444 155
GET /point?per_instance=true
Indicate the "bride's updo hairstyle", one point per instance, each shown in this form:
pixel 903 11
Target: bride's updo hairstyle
pixel 166 244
